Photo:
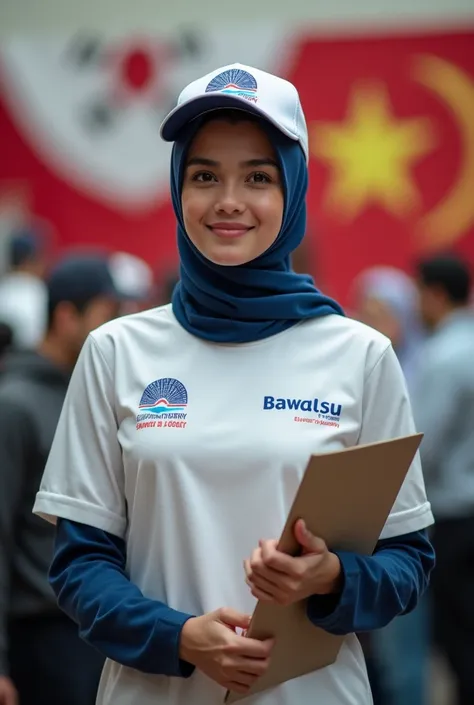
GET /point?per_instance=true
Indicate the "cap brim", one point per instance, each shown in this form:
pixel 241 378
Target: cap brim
pixel 195 107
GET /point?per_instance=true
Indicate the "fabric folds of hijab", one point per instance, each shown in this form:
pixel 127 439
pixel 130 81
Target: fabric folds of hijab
pixel 253 301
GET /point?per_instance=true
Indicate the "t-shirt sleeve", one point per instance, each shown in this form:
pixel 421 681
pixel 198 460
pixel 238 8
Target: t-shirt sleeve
pixel 84 479
pixel 387 414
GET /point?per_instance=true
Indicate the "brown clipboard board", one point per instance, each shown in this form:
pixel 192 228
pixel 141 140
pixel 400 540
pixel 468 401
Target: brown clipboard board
pixel 345 497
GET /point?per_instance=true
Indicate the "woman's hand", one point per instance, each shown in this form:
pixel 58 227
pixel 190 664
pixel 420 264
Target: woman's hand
pixel 212 645
pixel 274 576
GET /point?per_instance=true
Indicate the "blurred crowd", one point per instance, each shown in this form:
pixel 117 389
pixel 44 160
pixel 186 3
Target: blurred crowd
pixel 430 322
pixel 47 310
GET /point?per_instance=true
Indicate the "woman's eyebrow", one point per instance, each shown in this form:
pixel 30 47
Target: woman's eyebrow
pixel 260 162
pixel 203 161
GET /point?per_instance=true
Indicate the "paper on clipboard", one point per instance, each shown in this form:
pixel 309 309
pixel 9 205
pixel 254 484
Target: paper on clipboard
pixel 345 497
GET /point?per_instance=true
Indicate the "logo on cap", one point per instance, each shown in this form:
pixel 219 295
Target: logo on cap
pixel 235 82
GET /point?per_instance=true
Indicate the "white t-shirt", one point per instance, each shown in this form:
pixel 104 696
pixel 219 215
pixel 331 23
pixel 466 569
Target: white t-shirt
pixel 193 451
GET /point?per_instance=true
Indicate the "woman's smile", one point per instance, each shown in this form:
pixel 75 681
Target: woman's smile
pixel 229 229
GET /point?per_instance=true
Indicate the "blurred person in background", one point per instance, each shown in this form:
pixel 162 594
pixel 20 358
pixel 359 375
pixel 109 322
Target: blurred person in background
pixel 134 280
pixel 444 410
pixel 6 340
pixel 41 656
pixel 387 299
pixel 23 294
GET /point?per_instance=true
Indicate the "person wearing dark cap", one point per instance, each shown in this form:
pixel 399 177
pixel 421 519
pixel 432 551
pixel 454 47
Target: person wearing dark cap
pixel 444 410
pixel 42 660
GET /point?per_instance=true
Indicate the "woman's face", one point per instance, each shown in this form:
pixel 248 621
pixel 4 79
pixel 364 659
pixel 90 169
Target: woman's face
pixel 232 196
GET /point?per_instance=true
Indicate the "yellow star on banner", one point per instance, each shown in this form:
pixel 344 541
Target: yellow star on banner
pixel 371 154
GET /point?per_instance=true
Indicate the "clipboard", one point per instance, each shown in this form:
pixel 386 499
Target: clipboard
pixel 345 497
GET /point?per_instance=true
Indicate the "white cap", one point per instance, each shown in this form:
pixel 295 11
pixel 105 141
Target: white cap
pixel 244 88
pixel 133 277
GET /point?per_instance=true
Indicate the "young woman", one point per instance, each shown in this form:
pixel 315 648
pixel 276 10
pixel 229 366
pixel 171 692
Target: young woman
pixel 187 430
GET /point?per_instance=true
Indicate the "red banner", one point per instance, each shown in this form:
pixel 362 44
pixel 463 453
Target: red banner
pixel 391 122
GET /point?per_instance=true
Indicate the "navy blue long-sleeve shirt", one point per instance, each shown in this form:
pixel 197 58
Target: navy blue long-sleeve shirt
pixel 89 579
pixel 377 588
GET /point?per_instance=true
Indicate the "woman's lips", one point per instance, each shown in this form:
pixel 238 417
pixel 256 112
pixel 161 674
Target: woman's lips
pixel 229 229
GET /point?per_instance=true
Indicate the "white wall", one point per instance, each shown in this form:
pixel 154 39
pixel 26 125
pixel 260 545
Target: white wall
pixel 26 16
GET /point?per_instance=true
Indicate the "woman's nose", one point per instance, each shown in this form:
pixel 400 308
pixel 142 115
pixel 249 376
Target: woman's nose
pixel 229 201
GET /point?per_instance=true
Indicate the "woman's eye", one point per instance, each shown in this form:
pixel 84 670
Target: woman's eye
pixel 259 177
pixel 203 176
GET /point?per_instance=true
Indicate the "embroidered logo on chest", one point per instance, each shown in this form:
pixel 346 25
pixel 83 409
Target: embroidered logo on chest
pixel 319 412
pixel 163 404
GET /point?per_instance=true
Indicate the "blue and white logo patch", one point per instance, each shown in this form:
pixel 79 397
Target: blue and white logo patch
pixel 235 82
pixel 163 403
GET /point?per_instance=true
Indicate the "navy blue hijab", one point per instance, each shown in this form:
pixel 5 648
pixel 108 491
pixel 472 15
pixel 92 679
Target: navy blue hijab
pixel 248 302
